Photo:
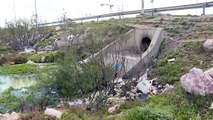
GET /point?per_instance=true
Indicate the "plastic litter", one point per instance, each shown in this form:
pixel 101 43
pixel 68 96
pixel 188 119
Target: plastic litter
pixel 144 86
pixel 211 106
pixel 143 96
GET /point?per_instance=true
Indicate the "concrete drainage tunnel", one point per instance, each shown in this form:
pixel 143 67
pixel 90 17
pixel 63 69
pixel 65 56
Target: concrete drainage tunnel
pixel 145 42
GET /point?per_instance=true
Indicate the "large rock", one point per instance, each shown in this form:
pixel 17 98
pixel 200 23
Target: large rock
pixel 208 45
pixel 197 82
pixel 53 112
pixel 7 116
pixel 114 109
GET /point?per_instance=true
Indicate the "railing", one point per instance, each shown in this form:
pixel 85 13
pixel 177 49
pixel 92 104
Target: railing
pixel 162 9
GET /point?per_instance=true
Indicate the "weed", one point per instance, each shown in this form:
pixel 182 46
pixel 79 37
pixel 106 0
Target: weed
pixel 18 69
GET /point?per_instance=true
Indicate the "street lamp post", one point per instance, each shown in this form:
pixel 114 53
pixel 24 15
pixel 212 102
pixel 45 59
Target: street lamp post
pixel 142 7
pixel 110 6
pixel 36 15
pixel 152 1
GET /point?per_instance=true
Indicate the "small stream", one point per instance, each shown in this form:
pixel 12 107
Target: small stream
pixel 16 81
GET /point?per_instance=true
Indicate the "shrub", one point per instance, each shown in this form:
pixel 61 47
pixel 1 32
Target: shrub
pixel 20 59
pixel 4 49
pixel 9 101
pixel 49 57
pixel 13 57
pixel 71 79
pixel 3 60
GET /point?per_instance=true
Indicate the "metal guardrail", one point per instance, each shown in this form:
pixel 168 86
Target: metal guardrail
pixel 162 9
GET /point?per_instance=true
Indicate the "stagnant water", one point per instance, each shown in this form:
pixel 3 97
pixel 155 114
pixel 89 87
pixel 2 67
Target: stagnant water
pixel 16 81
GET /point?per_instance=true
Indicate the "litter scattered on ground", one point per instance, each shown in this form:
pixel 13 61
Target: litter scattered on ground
pixel 141 88
pixel 211 107
pixel 171 60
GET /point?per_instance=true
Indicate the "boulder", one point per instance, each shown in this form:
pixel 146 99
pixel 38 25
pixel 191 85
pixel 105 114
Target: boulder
pixel 197 82
pixel 209 72
pixel 7 116
pixel 53 113
pixel 114 109
pixel 14 116
pixel 208 45
pixel 57 28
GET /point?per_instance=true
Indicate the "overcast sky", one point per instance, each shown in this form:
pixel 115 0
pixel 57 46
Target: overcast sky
pixel 52 10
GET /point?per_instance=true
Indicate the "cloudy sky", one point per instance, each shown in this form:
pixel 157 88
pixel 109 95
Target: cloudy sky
pixel 52 10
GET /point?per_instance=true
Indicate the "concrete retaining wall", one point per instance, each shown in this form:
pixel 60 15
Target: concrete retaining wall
pixel 118 51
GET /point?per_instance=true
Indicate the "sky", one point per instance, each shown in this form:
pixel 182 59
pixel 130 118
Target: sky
pixel 52 10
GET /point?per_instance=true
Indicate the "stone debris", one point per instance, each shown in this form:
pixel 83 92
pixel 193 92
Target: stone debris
pixel 168 88
pixel 30 62
pixel 7 116
pixel 198 82
pixel 76 102
pixel 208 45
pixel 53 113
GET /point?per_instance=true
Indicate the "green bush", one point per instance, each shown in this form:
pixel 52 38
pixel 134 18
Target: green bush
pixel 49 57
pixel 13 57
pixel 148 114
pixel 9 101
pixel 20 59
pixel 71 79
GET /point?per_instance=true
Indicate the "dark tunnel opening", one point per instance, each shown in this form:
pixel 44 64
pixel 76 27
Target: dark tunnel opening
pixel 145 42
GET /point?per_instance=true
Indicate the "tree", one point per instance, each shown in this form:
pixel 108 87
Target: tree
pixel 22 33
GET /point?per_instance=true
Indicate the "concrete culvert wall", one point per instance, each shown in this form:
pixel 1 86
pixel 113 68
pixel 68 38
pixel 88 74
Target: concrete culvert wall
pixel 145 42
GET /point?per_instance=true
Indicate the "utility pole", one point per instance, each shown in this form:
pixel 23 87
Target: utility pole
pixel 152 1
pixel 36 15
pixel 142 7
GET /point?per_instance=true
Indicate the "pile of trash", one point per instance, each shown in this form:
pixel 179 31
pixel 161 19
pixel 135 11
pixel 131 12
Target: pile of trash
pixel 136 89
pixel 142 88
